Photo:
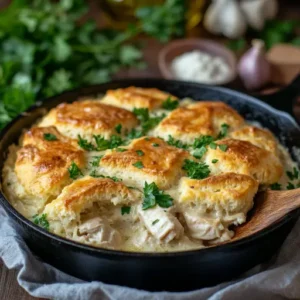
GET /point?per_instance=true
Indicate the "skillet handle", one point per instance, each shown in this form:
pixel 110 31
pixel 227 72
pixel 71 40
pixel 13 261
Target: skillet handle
pixel 285 98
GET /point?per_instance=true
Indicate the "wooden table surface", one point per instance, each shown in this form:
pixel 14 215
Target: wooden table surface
pixel 9 288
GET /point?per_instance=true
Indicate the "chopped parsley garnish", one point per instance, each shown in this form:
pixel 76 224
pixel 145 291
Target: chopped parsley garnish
pixel 176 143
pixel 138 165
pixel 170 104
pixel 115 141
pixel 223 147
pixel 213 145
pixel 96 160
pixel 290 186
pixel 41 221
pixel 155 145
pixel 84 144
pixel 50 137
pixel 196 170
pixel 125 210
pixel 155 221
pixel 146 139
pixel 203 140
pixel 293 175
pixel 135 134
pixel 103 144
pixel 120 149
pixel 74 171
pixel 224 131
pixel 153 196
pixel 139 152
pixel 95 175
pixel 275 186
pixel 199 152
pixel 214 161
pixel 147 122
pixel 118 128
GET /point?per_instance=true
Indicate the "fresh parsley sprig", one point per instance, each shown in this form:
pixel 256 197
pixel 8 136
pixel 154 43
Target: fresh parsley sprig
pixel 170 104
pixel 74 171
pixel 153 196
pixel 196 170
pixel 50 137
pixel 41 220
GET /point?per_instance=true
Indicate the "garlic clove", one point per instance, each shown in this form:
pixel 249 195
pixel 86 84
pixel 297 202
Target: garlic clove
pixel 270 9
pixel 253 68
pixel 254 12
pixel 212 16
pixel 232 20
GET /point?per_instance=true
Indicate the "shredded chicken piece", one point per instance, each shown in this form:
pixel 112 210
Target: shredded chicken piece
pixel 161 224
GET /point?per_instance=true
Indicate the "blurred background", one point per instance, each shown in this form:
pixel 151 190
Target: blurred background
pixel 47 46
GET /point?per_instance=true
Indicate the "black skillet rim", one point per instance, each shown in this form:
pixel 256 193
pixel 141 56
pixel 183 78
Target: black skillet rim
pixel 117 253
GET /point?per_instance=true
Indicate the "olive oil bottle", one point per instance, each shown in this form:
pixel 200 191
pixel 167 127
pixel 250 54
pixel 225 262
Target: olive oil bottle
pixel 121 12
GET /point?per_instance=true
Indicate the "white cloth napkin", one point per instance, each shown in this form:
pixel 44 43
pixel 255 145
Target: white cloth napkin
pixel 278 279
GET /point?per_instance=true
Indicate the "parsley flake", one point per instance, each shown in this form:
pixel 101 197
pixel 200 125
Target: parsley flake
pixel 74 171
pixel 199 152
pixel 118 128
pixel 125 210
pixel 293 175
pixel 203 140
pixel 223 147
pixel 290 186
pixel 95 175
pixel 196 170
pixel 96 160
pixel 50 137
pixel 170 104
pixel 155 145
pixel 139 152
pixel 153 196
pixel 213 145
pixel 224 131
pixel 84 144
pixel 155 221
pixel 138 165
pixel 120 149
pixel 176 143
pixel 41 221
pixel 214 161
pixel 275 186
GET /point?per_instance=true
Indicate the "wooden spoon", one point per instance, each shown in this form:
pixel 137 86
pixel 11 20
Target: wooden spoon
pixel 270 207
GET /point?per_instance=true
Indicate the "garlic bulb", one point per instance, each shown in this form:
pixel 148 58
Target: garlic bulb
pixel 253 68
pixel 254 13
pixel 232 20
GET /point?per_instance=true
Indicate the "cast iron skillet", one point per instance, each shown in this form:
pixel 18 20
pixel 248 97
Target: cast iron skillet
pixel 167 271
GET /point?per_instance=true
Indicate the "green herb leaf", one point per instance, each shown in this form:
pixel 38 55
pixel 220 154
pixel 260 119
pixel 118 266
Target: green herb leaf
pixel 223 147
pixel 50 137
pixel 170 104
pixel 139 152
pixel 153 196
pixel 196 170
pixel 224 131
pixel 120 149
pixel 199 152
pixel 290 186
pixel 176 143
pixel 74 171
pixel 214 161
pixel 118 128
pixel 155 145
pixel 155 221
pixel 293 175
pixel 125 210
pixel 84 144
pixel 275 186
pixel 203 140
pixel 96 160
pixel 138 165
pixel 95 175
pixel 41 221
pixel 213 145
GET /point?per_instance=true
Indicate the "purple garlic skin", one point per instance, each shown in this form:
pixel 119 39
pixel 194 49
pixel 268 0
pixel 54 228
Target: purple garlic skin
pixel 253 67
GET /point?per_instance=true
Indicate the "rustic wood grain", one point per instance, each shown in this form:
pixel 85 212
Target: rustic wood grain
pixel 9 288
pixel 270 207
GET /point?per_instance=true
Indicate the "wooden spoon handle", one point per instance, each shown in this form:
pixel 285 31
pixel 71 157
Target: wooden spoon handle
pixel 270 207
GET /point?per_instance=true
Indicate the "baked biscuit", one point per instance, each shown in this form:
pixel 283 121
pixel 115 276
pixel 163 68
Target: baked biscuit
pixel 88 118
pixel 146 159
pixel 134 97
pixel 259 137
pixel 212 204
pixel 244 158
pixel 42 165
pixel 87 210
pixel 203 118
